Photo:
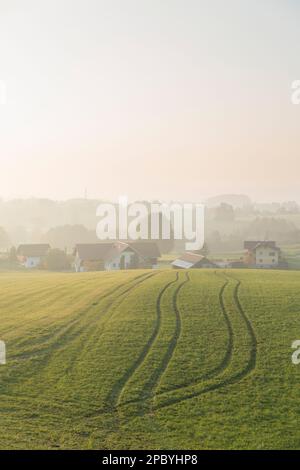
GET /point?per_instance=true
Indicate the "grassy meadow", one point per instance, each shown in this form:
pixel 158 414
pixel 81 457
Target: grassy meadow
pixel 196 359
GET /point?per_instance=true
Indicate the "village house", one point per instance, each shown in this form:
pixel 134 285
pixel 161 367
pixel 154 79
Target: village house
pixel 262 254
pixel 32 255
pixel 115 255
pixel 191 260
pixel 229 263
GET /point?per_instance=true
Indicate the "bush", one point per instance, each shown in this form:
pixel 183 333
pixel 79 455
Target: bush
pixel 57 260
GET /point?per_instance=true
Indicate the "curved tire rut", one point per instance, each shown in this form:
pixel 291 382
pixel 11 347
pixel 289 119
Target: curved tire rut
pixel 115 395
pixel 158 375
pixel 235 378
pixel 69 333
pixel 65 330
pixel 226 359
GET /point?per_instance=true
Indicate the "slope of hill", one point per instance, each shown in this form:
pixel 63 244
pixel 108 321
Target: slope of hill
pixel 150 359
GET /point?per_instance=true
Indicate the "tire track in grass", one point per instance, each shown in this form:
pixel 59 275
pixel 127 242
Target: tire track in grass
pixel 235 378
pixel 150 387
pixel 85 329
pixel 36 294
pixel 69 333
pixel 145 405
pixel 110 406
pixel 115 410
pixel 253 355
pixel 65 336
pixel 226 359
pixel 68 327
pixel 157 376
pixel 114 302
pixel 114 397
pixel 90 327
pixel 58 291
pixel 143 278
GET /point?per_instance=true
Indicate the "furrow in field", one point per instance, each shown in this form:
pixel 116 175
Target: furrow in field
pixel 112 340
pixel 56 335
pixel 151 384
pixel 63 350
pixel 133 283
pixel 49 293
pixel 233 377
pixel 91 335
pixel 115 395
pixel 142 279
pixel 226 359
pixel 58 365
pixel 159 373
pixel 252 360
pixel 41 298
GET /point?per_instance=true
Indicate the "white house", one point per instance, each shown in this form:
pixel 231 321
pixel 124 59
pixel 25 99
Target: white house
pixel 32 255
pixel 262 254
pixel 114 255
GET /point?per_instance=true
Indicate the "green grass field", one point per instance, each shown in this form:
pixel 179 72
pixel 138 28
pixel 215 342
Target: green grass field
pixel 150 359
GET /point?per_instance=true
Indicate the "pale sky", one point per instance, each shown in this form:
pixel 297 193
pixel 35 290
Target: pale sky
pixel 169 99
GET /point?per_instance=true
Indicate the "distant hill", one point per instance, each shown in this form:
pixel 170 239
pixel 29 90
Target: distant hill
pixel 235 200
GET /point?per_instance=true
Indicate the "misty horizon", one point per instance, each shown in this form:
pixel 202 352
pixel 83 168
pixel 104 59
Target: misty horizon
pixel 207 199
pixel 149 100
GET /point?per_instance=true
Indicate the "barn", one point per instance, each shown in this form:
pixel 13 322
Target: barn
pixel 191 260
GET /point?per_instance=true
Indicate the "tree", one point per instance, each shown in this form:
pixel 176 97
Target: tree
pixel 13 254
pixel 272 228
pixel 224 213
pixel 204 250
pixel 4 239
pixel 57 260
pixel 68 236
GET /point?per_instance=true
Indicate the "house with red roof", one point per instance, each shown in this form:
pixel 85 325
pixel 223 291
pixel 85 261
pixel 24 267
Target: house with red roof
pixel 262 254
pixel 115 255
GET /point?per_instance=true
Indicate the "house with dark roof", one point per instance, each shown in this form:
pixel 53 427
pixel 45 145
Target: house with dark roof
pixel 115 255
pixel 147 251
pixel 262 254
pixel 190 260
pixel 32 255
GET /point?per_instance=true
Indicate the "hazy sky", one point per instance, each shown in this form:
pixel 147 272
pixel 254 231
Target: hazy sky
pixel 150 98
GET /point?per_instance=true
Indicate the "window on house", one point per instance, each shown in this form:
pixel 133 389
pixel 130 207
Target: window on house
pixel 272 253
pixel 260 260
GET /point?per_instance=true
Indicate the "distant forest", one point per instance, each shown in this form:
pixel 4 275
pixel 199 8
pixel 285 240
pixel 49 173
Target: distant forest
pixel 229 220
